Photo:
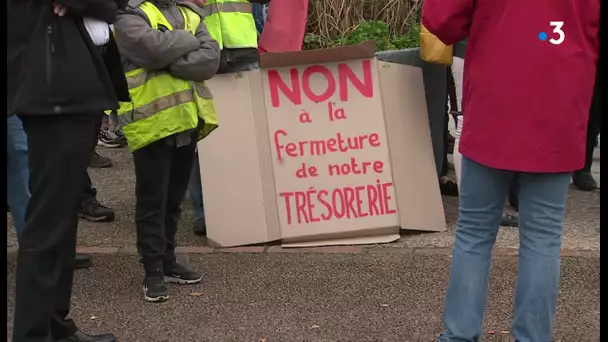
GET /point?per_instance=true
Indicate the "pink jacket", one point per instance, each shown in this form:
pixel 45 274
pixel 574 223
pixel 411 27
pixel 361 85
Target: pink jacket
pixel 528 78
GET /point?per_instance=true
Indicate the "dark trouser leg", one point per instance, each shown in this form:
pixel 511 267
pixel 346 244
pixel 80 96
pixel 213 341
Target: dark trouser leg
pixel 152 172
pixel 59 151
pixel 89 190
pixel 181 170
pixel 593 127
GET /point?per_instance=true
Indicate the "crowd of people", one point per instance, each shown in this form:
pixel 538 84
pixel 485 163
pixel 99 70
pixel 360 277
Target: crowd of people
pixel 111 73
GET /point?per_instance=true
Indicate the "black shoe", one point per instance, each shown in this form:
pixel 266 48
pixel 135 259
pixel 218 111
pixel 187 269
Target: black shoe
pixel 200 227
pixel 93 211
pixel 584 181
pixel 509 220
pixel 155 289
pixel 108 138
pixel 100 161
pixel 181 275
pixel 83 261
pixel 82 337
pixel 448 187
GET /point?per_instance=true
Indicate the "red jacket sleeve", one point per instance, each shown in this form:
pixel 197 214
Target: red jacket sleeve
pixel 449 20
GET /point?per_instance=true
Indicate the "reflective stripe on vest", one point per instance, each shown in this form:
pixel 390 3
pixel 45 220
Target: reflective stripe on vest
pixel 231 23
pixel 163 105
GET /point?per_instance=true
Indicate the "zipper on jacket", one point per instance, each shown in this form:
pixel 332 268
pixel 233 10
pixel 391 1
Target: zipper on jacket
pixel 50 50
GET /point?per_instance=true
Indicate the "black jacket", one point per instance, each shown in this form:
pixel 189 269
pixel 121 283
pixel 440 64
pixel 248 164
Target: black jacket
pixel 52 65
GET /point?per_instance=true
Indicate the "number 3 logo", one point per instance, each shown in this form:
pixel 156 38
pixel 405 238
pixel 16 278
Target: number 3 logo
pixel 557 29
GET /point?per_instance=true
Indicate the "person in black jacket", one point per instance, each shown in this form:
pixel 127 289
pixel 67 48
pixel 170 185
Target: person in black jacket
pixel 59 82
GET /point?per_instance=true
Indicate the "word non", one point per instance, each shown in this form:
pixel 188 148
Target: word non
pixel 347 202
pixel 323 147
pixel 293 92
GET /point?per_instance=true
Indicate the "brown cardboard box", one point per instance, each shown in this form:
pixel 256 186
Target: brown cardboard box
pixel 320 147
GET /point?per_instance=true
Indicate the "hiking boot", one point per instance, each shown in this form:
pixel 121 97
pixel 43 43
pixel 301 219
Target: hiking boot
pixel 155 289
pixel 584 181
pixel 83 260
pixel 200 227
pixel 100 161
pixel 509 220
pixel 108 138
pixel 179 274
pixel 93 211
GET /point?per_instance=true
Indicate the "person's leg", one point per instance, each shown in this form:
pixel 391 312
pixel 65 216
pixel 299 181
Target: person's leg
pixel 17 180
pixel 482 194
pixel 59 151
pixel 446 185
pixel 152 170
pixel 90 208
pixel 195 192
pixel 17 172
pixel 181 169
pixel 583 179
pixel 541 215
pixel 457 69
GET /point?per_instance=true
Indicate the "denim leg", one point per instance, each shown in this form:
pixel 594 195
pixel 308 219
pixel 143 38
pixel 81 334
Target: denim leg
pixel 17 171
pixel 483 192
pixel 195 190
pixel 542 202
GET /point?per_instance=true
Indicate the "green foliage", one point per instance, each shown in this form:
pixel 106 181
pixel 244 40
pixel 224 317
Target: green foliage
pixel 368 30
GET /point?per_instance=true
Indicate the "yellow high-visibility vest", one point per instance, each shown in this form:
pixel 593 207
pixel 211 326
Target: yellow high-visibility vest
pixel 161 104
pixel 231 23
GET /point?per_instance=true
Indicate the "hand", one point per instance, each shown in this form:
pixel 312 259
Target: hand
pixel 59 10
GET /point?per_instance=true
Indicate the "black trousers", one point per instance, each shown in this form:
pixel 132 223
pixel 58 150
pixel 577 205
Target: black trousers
pixel 60 148
pixel 89 190
pixel 593 126
pixel 162 174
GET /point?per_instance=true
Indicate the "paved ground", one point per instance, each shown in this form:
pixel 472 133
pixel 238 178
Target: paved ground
pixel 276 297
pixel 390 292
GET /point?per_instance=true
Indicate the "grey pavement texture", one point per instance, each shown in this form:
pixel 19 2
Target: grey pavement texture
pixel 116 189
pixel 310 297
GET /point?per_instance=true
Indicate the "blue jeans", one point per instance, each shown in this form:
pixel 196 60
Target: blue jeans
pixel 542 200
pixel 17 171
pixel 259 15
pixel 195 189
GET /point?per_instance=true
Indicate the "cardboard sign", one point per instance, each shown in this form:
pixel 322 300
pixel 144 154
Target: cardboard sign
pixel 322 147
pixel 329 148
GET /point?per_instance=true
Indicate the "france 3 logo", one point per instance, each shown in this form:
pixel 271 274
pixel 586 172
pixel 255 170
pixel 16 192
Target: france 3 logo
pixel 558 34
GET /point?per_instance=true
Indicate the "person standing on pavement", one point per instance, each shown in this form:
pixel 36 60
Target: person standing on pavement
pixel 527 92
pixel 68 82
pixel 167 55
pixel 232 25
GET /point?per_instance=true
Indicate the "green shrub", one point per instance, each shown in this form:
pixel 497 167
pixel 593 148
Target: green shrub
pixel 368 30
